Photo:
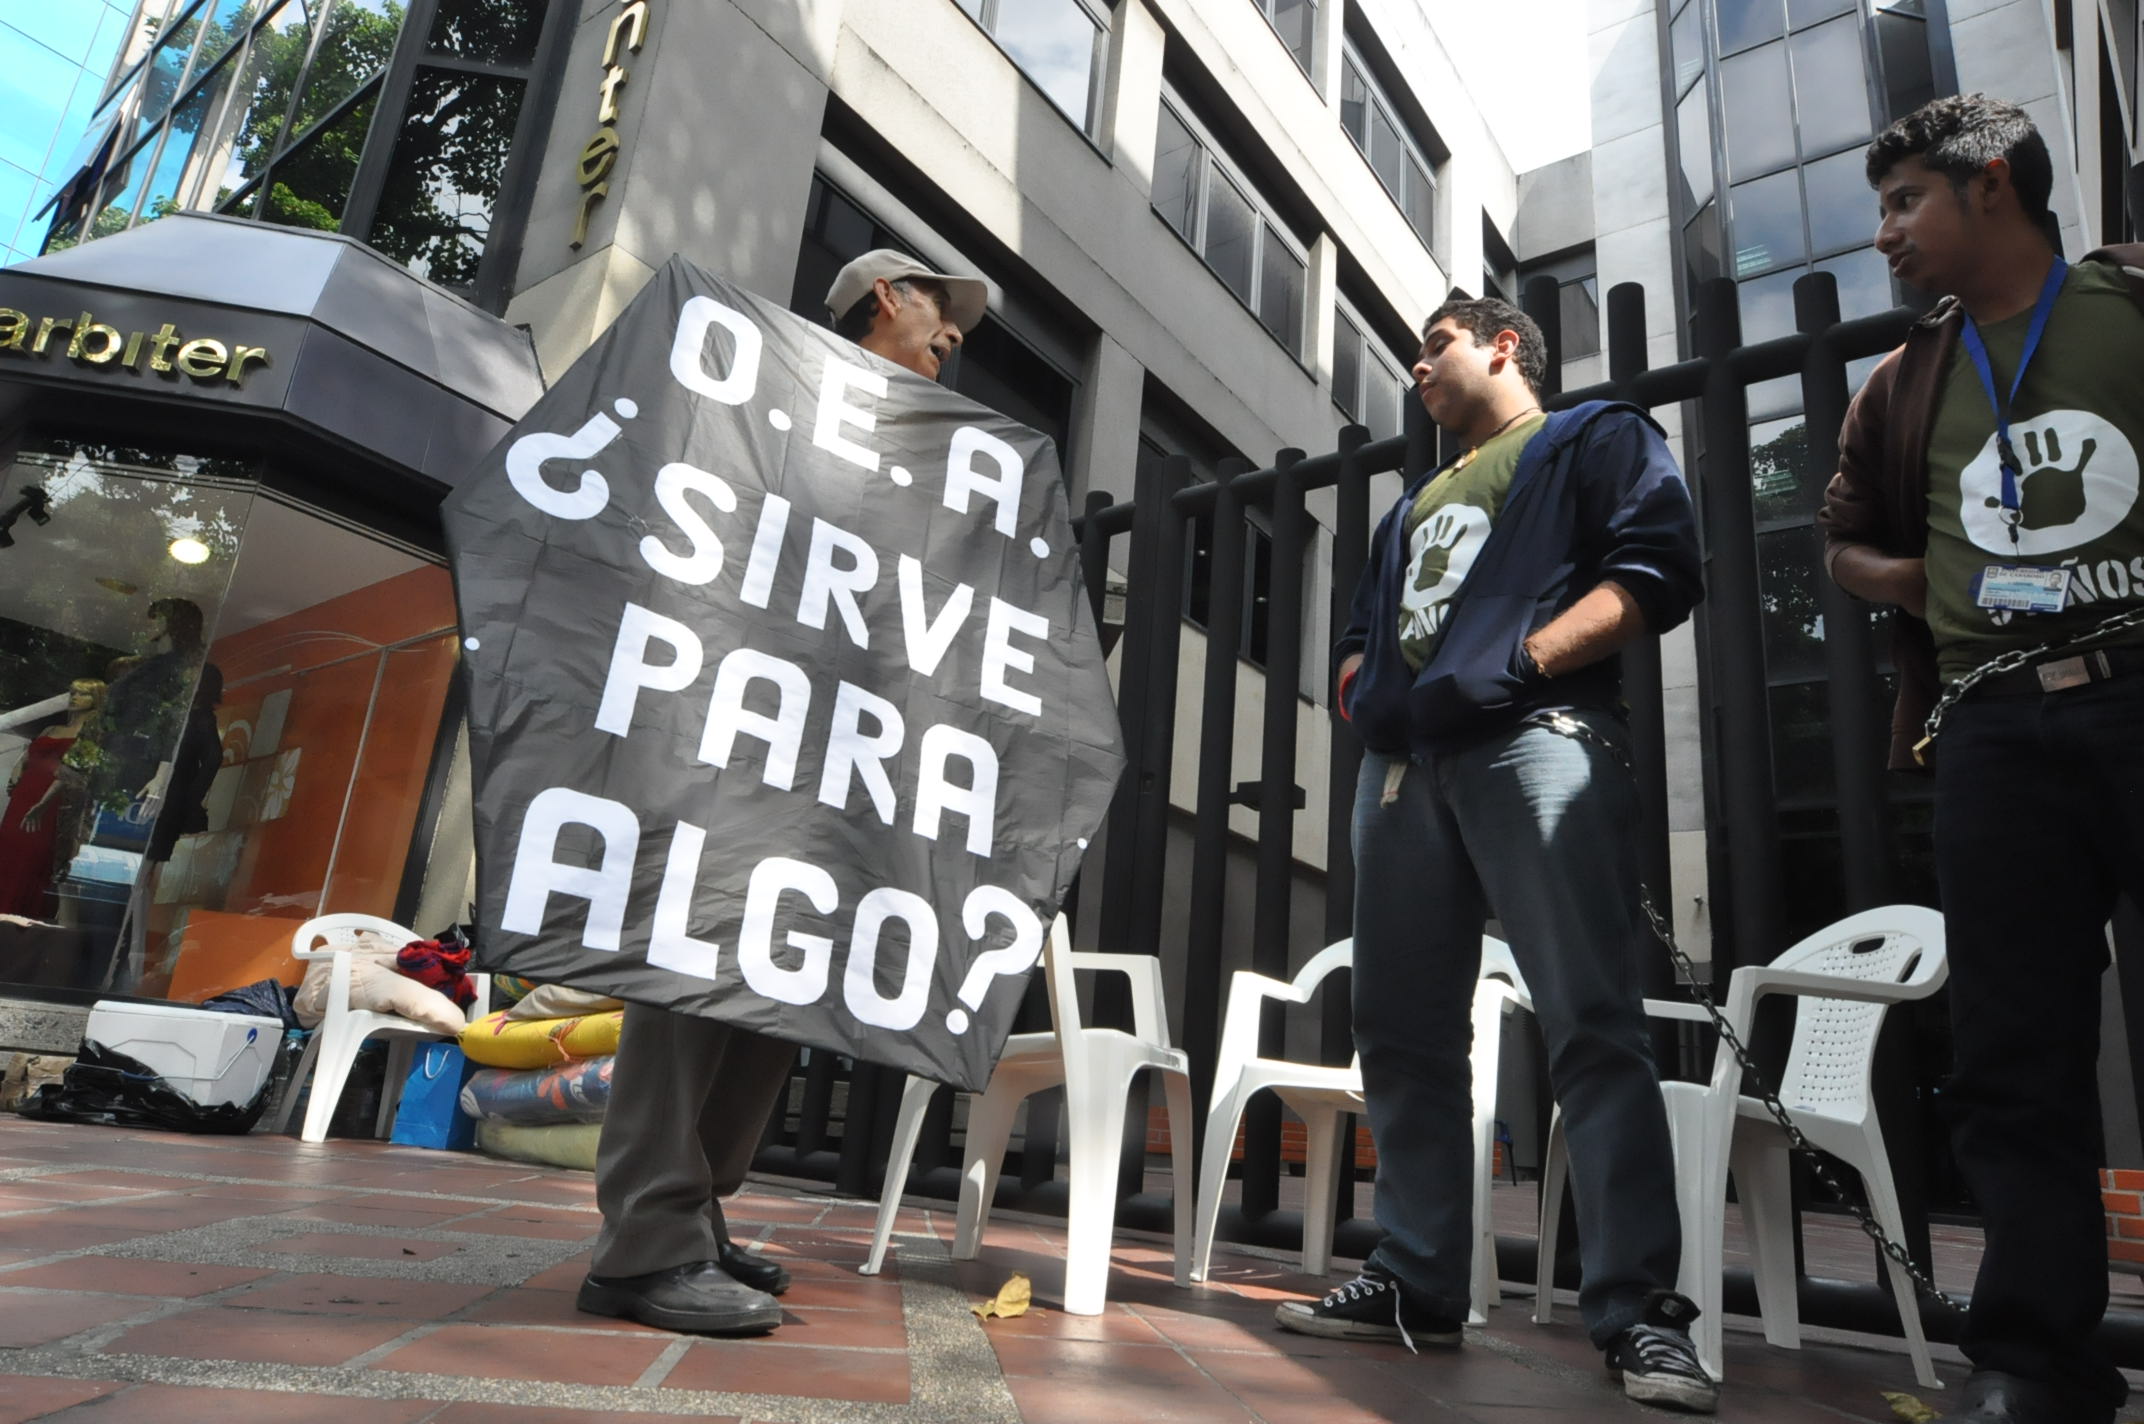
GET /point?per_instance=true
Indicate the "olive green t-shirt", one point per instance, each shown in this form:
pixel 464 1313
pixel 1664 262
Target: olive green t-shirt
pixel 2077 425
pixel 1446 527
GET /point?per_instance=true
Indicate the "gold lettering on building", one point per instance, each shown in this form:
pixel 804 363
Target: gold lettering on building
pixel 628 32
pixel 87 341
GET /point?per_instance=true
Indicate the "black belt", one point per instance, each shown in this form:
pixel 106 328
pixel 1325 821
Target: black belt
pixel 2061 674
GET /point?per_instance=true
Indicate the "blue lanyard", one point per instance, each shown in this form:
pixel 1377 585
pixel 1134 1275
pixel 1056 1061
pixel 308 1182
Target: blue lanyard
pixel 2005 455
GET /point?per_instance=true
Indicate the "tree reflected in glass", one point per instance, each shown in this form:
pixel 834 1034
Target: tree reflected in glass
pixel 311 185
pixel 435 213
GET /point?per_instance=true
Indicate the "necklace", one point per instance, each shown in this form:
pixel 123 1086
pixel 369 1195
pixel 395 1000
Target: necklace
pixel 1468 458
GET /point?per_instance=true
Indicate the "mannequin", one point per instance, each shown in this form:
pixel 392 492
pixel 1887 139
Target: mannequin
pixel 30 826
pixel 164 756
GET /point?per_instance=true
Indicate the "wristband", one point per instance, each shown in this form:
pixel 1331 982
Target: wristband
pixel 1529 670
pixel 1347 680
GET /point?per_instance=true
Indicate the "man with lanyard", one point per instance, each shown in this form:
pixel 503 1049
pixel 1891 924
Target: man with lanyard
pixel 690 1096
pixel 1987 487
pixel 1479 667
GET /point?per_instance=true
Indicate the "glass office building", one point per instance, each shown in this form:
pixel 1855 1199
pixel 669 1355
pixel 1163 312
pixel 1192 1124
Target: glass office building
pixel 1772 104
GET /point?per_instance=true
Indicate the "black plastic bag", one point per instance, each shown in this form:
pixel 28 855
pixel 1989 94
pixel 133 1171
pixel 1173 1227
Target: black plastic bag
pixel 111 1089
pixel 263 998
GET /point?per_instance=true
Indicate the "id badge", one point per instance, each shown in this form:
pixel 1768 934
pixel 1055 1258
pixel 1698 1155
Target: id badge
pixel 2022 588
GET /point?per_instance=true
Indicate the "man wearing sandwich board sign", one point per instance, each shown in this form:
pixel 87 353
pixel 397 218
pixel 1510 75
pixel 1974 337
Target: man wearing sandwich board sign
pixel 789 724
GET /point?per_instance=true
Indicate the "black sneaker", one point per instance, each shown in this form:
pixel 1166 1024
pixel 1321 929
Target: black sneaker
pixel 1656 1361
pixel 1369 1307
pixel 697 1298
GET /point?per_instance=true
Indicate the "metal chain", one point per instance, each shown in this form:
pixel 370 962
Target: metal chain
pixel 1752 1076
pixel 2011 662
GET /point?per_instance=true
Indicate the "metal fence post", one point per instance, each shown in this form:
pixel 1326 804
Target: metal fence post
pixel 1217 735
pixel 1276 814
pixel 1860 735
pixel 1136 864
pixel 1734 673
pixel 1627 360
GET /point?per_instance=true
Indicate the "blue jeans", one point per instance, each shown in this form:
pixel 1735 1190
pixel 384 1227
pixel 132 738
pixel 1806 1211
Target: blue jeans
pixel 1536 824
pixel 2039 826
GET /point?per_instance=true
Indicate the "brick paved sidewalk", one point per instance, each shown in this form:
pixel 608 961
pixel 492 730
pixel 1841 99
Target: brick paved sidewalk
pixel 168 1279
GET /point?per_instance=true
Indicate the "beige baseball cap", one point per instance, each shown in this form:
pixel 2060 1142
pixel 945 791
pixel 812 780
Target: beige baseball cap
pixel 966 296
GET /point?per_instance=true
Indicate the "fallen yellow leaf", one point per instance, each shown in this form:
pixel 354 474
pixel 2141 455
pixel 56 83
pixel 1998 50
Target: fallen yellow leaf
pixel 1906 1407
pixel 1013 1298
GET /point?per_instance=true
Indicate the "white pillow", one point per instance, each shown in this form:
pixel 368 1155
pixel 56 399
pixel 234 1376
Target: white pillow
pixel 376 985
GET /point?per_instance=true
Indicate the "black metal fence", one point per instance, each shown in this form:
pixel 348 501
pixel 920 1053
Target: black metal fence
pixel 838 1122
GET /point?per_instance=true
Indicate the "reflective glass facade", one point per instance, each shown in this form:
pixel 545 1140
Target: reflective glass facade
pixel 406 126
pixel 54 56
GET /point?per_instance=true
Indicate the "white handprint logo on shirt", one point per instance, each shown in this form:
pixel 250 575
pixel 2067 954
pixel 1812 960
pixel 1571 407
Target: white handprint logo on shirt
pixel 1442 554
pixel 2078 482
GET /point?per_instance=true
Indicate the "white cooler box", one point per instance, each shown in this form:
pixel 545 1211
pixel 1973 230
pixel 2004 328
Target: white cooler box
pixel 207 1057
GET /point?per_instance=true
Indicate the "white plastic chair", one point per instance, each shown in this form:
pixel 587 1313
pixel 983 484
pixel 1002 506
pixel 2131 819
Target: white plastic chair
pixel 1095 1067
pixel 1847 975
pixel 1322 1096
pixel 333 1048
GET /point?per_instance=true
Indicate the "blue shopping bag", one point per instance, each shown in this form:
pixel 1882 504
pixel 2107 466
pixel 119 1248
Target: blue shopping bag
pixel 430 1113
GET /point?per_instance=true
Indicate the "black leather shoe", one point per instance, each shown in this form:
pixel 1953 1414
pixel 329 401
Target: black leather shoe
pixel 699 1298
pixel 1992 1397
pixel 752 1270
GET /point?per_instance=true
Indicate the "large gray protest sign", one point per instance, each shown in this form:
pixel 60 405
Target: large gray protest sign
pixel 786 704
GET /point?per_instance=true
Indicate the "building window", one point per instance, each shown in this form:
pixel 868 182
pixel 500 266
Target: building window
pixel 993 366
pixel 1393 153
pixel 1578 311
pixel 290 112
pixel 1757 112
pixel 1296 22
pixel 328 103
pixel 1748 22
pixel 1686 44
pixel 1056 43
pixel 444 156
pixel 1369 385
pixel 1213 207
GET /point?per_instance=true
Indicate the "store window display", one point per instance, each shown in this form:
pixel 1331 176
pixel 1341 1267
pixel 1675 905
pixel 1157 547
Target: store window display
pixel 272 732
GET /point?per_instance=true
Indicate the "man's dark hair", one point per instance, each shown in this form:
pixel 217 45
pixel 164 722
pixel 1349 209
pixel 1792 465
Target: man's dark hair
pixel 1959 136
pixel 1483 317
pixel 855 323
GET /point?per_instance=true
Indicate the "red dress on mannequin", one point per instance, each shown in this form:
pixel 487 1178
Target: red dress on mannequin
pixel 26 867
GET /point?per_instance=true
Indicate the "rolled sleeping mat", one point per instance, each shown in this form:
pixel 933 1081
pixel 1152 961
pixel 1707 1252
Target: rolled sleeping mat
pixel 558 1144
pixel 571 1092
pixel 496 1041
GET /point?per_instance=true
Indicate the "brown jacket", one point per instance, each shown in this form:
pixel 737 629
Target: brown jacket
pixel 1879 497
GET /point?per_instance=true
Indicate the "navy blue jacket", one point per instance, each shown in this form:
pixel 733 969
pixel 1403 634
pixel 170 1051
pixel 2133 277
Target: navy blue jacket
pixel 1596 496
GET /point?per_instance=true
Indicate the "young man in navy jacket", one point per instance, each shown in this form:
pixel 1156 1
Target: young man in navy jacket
pixel 1480 669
